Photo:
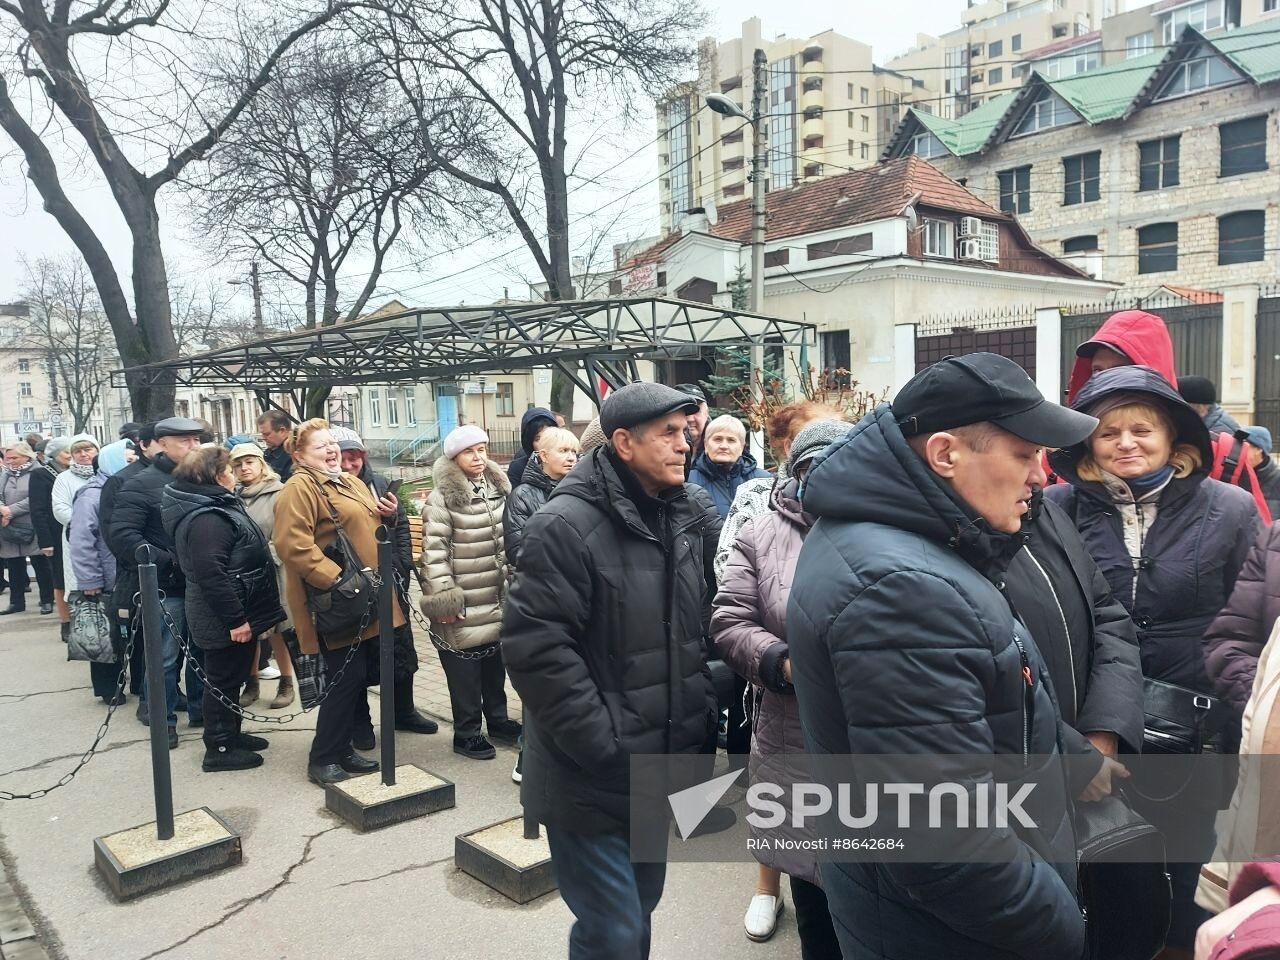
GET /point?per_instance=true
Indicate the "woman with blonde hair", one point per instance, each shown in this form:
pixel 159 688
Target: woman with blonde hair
pixel 554 454
pixel 464 566
pixel 1170 541
pixel 259 487
pixel 318 500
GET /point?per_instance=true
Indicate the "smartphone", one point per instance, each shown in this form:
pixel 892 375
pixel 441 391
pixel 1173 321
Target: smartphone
pixel 393 488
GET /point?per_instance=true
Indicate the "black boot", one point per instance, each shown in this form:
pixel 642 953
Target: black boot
pixel 225 753
pixel 407 716
pixel 66 631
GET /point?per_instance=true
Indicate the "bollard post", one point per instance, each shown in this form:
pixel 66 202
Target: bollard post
pixel 387 656
pixel 157 708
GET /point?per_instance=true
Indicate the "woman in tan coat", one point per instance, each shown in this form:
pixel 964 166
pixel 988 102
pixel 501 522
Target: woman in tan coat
pixel 465 573
pixel 303 529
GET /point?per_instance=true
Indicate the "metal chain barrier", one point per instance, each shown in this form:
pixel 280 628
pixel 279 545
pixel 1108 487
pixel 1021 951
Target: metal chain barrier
pixel 482 654
pixel 234 706
pixel 106 721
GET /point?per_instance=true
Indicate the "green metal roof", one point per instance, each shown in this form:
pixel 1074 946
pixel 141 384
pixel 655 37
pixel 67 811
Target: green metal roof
pixel 1108 93
pixel 1255 50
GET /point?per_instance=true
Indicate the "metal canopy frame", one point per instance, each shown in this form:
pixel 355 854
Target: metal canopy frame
pixel 605 336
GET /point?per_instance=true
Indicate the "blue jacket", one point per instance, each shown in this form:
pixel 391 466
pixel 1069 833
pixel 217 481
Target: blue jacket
pixel 901 642
pixel 723 482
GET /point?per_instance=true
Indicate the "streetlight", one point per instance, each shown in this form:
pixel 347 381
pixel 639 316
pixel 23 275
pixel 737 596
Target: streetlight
pixel 728 108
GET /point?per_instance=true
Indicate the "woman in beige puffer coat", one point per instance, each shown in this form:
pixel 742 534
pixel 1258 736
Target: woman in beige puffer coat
pixel 464 567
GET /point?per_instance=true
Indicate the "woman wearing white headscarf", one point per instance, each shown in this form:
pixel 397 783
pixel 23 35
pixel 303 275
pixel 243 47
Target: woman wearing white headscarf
pixel 84 448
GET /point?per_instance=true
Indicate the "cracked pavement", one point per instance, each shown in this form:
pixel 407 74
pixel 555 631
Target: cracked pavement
pixel 310 886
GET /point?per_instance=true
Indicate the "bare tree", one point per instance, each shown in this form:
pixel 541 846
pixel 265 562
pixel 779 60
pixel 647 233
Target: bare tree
pixel 68 328
pixel 523 64
pixel 112 76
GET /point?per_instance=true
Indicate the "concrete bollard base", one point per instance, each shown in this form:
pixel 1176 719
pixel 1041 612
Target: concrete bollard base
pixel 367 804
pixel 134 862
pixel 499 856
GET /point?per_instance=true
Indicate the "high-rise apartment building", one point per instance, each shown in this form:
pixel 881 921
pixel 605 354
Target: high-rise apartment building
pixel 992 50
pixel 830 109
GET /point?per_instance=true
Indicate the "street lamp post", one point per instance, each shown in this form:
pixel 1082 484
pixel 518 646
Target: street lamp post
pixel 728 108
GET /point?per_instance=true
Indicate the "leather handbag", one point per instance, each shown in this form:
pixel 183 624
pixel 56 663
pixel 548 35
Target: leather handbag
pixel 342 609
pixel 1124 887
pixel 17 533
pixel 1179 720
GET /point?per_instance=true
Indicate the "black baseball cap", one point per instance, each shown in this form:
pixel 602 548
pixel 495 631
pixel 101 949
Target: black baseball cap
pixel 986 387
pixel 693 390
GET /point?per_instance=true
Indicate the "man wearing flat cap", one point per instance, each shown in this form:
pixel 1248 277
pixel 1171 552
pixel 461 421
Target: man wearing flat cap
pixel 903 642
pixel 135 519
pixel 603 638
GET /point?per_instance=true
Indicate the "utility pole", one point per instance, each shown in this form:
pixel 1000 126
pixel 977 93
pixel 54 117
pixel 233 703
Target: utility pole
pixel 258 329
pixel 759 101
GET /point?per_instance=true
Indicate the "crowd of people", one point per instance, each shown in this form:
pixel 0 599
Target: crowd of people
pixel 970 570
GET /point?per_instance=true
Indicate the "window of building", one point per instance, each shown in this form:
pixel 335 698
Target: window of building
pixel 24 388
pixel 28 413
pixel 1201 70
pixel 1048 110
pixel 835 356
pixel 777 258
pixel 24 366
pixel 990 242
pixel 813 113
pixel 1080 178
pixel 1243 146
pixel 1082 244
pixel 1202 16
pixel 1241 237
pixel 938 238
pixel 863 96
pixel 975 51
pixel 851 91
pixel 733 163
pixel 735 137
pixel 1139 45
pixel 410 408
pixel 1015 42
pixel 1059 31
pixel 995 48
pixel 996 75
pixel 1270 6
pixel 851 148
pixel 927 145
pixel 737 190
pixel 866 151
pixel 1020 71
pixel 375 406
pixel 849 118
pixel 813 170
pixel 1158 163
pixel 1158 248
pixel 975 79
pixel 393 408
pixel 1084 253
pixel 505 399
pixel 1015 189
pixel 840 247
pixel 866 124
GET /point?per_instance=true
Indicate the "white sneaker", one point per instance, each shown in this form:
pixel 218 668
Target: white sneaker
pixel 761 920
pixel 269 672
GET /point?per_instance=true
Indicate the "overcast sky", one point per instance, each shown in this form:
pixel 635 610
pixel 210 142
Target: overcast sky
pixel 625 203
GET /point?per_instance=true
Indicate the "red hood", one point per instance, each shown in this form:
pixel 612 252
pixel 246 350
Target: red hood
pixel 1140 336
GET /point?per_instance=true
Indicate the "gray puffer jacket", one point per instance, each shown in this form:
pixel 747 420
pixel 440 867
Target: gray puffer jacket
pixel 464 561
pixel 749 627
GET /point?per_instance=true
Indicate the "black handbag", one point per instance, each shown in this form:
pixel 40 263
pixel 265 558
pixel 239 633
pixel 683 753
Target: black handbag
pixel 1179 720
pixel 17 533
pixel 341 610
pixel 1124 887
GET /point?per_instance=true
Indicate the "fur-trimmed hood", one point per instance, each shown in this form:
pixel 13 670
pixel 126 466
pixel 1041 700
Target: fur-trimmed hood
pixel 454 487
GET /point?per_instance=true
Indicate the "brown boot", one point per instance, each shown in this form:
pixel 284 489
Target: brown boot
pixel 284 694
pixel 250 694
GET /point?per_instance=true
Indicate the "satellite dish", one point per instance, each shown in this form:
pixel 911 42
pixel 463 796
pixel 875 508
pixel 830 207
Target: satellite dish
pixel 712 213
pixel 913 220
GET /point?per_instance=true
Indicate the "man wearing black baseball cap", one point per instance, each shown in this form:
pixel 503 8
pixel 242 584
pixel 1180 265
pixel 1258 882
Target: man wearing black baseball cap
pixel 697 422
pixel 903 642
pixel 606 621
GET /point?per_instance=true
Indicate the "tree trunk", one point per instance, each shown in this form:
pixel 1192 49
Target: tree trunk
pixel 155 319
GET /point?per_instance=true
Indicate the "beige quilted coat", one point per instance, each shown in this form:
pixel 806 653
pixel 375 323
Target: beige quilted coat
pixel 464 565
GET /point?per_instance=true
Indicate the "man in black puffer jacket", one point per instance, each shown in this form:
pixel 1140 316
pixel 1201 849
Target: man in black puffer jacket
pixel 231 594
pixel 135 519
pixel 604 638
pixel 903 643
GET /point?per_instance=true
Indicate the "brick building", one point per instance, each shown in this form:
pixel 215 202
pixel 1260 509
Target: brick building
pixel 1155 170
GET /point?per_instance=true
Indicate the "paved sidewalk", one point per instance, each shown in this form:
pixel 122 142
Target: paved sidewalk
pixel 310 887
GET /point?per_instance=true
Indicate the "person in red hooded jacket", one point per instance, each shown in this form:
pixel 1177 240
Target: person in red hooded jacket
pixel 1249 929
pixel 1138 337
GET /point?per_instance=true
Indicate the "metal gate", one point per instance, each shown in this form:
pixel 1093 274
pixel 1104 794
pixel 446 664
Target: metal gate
pixel 1266 402
pixel 1016 343
pixel 1195 328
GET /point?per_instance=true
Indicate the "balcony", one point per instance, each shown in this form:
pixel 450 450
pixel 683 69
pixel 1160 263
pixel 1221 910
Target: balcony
pixel 813 124
pixel 812 98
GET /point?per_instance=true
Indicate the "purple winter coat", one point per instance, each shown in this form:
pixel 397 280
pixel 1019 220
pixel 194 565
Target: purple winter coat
pixel 93 563
pixel 748 626
pixel 1234 641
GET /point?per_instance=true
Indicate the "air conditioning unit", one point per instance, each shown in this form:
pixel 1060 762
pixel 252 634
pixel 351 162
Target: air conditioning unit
pixel 970 227
pixel 970 248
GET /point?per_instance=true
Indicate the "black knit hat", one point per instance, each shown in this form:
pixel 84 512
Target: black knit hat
pixel 1198 389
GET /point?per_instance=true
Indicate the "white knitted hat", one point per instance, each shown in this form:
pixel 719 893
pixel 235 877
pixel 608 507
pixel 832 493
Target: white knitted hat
pixel 463 437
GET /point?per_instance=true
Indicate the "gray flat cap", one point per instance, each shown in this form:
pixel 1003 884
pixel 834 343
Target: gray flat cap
pixel 638 403
pixel 813 439
pixel 178 427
